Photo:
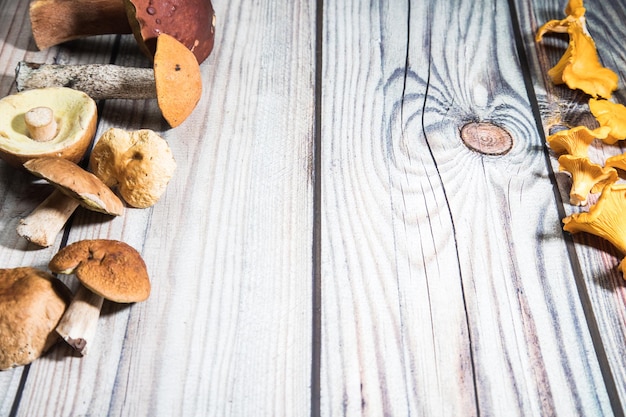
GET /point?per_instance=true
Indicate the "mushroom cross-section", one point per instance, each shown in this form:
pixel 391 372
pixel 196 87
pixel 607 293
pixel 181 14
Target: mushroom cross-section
pixel 74 187
pixel 31 305
pixel 55 121
pixel 107 269
pixel 175 79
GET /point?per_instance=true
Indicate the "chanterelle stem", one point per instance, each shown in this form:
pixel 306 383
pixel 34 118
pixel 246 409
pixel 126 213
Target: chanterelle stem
pixel 43 224
pixel 80 321
pixel 99 81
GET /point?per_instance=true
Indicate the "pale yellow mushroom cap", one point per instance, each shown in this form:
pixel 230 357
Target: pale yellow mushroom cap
pixel 139 163
pixel 75 115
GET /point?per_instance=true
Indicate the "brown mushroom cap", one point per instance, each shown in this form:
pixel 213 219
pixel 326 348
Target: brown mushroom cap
pixel 75 182
pixel 109 268
pixel 76 116
pixel 178 80
pixel 31 304
pixel 139 163
pixel 191 22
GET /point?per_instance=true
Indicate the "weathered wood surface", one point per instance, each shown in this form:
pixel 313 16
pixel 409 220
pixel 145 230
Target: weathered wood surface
pixel 328 244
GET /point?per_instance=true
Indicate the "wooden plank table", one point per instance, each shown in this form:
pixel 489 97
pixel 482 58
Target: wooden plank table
pixel 328 244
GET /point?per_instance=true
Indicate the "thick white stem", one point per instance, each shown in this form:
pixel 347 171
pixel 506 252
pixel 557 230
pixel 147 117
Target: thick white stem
pixel 42 226
pixel 80 321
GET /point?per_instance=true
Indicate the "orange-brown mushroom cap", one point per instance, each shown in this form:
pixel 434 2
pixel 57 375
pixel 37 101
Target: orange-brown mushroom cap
pixel 74 181
pixel 109 268
pixel 31 304
pixel 178 79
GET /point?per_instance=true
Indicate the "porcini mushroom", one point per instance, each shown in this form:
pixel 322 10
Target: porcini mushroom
pixel 604 219
pixel 576 141
pixel 107 269
pixel 139 163
pixel 175 79
pixel 192 22
pixel 31 305
pixel 612 115
pixel 587 177
pixel 55 121
pixel 74 187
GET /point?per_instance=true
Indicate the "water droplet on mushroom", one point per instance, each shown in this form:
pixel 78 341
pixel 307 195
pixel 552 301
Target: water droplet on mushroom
pixel 157 21
pixel 151 10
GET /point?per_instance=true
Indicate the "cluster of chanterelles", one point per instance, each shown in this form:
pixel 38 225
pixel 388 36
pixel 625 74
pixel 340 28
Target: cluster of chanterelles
pixel 48 130
pixel 580 69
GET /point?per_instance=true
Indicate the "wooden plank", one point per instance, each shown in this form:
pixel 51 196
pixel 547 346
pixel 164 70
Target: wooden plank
pixel 447 287
pixel 226 330
pixel 561 107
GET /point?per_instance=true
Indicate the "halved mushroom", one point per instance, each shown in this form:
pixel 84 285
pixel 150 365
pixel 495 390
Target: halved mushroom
pixel 55 121
pixel 175 79
pixel 107 269
pixel 31 305
pixel 74 187
pixel 139 163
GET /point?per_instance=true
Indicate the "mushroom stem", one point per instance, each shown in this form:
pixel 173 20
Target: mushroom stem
pixel 57 21
pixel 45 222
pixel 41 124
pixel 99 81
pixel 79 323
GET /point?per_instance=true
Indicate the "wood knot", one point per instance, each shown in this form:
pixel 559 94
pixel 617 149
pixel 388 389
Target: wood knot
pixel 486 138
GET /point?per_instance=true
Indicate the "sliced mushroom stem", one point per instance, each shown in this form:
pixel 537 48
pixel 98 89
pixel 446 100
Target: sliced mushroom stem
pixel 41 124
pixel 99 81
pixel 42 226
pixel 79 323
pixel 57 21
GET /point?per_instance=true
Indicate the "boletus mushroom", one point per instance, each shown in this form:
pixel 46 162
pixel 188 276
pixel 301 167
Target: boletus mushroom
pixel 107 269
pixel 55 121
pixel 192 22
pixel 175 79
pixel 73 187
pixel 31 305
pixel 138 163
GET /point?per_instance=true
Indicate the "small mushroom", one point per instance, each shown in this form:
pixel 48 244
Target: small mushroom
pixel 107 269
pixel 587 177
pixel 55 121
pixel 612 115
pixel 576 141
pixel 192 22
pixel 175 79
pixel 31 305
pixel 604 219
pixel 579 67
pixel 74 187
pixel 139 163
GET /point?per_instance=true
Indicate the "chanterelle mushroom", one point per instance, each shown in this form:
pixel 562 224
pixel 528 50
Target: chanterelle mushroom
pixel 139 163
pixel 31 304
pixel 175 79
pixel 55 121
pixel 106 269
pixel 587 177
pixel 74 187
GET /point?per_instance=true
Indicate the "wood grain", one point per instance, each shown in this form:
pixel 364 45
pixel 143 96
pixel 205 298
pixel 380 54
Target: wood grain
pixel 447 285
pixel 226 330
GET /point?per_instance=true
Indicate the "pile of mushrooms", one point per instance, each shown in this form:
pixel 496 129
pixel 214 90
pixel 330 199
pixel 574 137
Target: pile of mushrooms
pixel 580 69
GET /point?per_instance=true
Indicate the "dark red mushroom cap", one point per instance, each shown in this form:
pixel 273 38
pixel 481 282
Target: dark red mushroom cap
pixel 191 22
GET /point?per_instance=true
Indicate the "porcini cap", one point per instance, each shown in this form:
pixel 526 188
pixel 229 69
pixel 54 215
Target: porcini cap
pixel 139 163
pixel 192 22
pixel 109 268
pixel 75 182
pixel 76 116
pixel 177 78
pixel 31 304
